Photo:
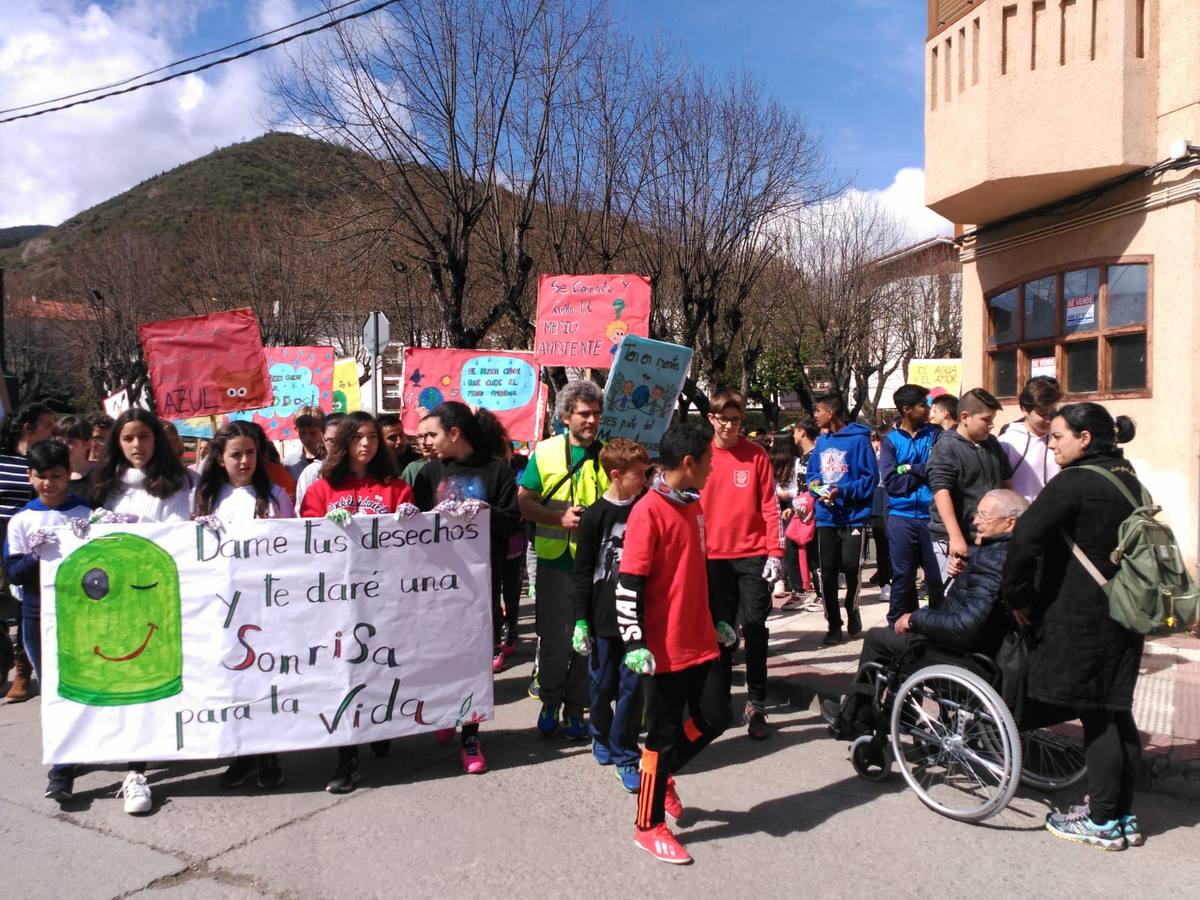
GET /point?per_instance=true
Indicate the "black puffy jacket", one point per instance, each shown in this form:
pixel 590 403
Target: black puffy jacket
pixel 971 618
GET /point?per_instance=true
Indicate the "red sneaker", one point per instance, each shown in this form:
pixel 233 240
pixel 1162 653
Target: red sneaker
pixel 662 845
pixel 508 648
pixel 498 661
pixel 671 803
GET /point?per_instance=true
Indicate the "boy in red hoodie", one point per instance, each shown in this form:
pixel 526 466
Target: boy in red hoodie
pixel 663 618
pixel 744 553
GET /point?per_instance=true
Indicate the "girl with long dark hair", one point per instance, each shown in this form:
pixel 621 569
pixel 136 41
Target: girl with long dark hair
pixel 358 477
pixel 139 474
pixel 465 467
pixel 234 487
pixel 1083 665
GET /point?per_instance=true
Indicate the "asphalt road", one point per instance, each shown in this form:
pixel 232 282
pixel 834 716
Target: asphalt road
pixel 785 817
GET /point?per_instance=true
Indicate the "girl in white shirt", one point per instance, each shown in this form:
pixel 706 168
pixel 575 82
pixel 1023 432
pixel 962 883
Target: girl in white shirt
pixel 139 475
pixel 234 487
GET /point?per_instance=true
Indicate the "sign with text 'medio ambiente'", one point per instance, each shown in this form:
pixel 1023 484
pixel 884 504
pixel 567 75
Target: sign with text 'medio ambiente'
pixel 173 642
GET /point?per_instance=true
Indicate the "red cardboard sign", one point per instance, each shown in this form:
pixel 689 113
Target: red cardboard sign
pixel 206 365
pixel 582 318
pixel 506 382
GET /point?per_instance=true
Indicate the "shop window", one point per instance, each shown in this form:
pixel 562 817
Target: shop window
pixel 1086 325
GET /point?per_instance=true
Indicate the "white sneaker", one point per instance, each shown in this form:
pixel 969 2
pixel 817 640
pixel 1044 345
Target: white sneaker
pixel 136 793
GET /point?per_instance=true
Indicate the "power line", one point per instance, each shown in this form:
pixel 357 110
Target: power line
pixel 180 62
pixel 208 65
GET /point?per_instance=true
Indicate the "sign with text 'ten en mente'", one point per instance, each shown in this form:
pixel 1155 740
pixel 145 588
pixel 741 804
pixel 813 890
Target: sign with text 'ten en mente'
pixel 643 386
pixel 940 376
pixel 505 382
pixel 206 365
pixel 169 641
pixel 582 318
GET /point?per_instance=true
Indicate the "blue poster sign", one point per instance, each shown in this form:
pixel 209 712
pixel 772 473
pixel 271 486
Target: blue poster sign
pixel 643 386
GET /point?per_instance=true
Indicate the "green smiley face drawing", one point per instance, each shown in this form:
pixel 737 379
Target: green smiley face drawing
pixel 120 632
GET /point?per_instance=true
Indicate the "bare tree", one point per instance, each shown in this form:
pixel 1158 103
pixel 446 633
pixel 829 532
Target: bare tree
pixel 840 314
pixel 444 102
pixel 728 163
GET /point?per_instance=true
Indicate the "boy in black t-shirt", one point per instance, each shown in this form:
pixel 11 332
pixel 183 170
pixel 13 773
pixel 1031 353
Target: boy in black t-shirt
pixel 600 541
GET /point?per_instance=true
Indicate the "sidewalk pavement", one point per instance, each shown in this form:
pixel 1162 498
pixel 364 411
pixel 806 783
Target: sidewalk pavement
pixel 1166 704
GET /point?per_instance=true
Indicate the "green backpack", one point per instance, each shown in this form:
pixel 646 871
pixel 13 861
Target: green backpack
pixel 1152 589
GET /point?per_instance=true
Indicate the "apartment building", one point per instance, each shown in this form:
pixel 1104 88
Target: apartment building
pixel 1061 136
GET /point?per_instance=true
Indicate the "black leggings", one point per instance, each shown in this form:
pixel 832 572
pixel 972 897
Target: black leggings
pixel 841 552
pixel 1112 748
pixel 511 573
pixel 671 742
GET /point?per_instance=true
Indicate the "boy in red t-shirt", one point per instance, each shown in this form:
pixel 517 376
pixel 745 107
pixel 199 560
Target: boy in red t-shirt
pixel 663 618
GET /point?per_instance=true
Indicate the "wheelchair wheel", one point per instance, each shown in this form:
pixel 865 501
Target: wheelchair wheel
pixel 956 743
pixel 1051 760
pixel 871 760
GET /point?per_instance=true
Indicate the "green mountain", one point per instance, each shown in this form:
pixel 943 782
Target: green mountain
pixel 11 237
pixel 275 172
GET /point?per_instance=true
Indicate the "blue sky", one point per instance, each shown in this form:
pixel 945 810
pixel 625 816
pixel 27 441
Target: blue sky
pixel 851 68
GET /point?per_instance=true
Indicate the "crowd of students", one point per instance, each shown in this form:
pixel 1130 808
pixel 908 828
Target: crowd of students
pixel 647 575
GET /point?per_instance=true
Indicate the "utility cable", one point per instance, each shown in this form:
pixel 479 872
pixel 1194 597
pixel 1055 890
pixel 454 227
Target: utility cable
pixel 180 62
pixel 205 66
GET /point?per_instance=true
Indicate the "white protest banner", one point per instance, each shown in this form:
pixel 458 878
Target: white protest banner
pixel 644 384
pixel 164 642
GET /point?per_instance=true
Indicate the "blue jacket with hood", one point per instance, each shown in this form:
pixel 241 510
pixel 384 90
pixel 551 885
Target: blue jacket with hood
pixel 845 460
pixel 909 495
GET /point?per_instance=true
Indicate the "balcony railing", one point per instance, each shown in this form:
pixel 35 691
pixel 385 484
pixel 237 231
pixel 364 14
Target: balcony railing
pixel 944 13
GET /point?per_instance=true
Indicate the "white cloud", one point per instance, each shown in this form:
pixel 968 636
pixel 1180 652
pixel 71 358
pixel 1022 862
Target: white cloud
pixel 904 198
pixel 272 14
pixel 59 164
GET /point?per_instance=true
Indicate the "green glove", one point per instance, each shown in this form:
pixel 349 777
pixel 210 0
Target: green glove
pixel 339 517
pixel 902 470
pixel 640 661
pixel 726 636
pixel 579 638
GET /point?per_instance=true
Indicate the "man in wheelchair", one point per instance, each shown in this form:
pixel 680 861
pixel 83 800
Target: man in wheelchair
pixel 970 621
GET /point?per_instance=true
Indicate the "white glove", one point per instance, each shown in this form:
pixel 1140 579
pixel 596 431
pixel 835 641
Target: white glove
pixel 339 517
pixel 448 508
pixel 773 570
pixel 472 508
pixel 212 523
pixel 406 511
pixel 41 540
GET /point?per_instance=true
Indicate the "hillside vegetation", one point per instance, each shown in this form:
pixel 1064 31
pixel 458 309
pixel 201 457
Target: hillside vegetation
pixel 277 171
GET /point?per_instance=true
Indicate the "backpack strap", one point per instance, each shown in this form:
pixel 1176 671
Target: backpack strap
pixel 1083 560
pixel 1125 492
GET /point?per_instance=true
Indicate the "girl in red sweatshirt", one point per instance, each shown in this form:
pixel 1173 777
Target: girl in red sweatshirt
pixel 359 478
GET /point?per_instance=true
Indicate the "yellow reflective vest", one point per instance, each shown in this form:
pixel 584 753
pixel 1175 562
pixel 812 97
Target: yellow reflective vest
pixel 584 488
